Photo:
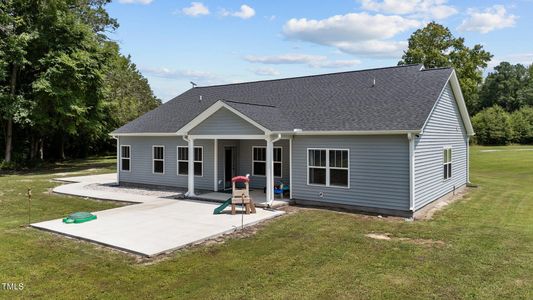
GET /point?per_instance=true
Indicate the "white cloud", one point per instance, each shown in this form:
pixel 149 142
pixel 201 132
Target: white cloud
pixel 434 9
pixel 314 61
pixel 135 1
pixel 354 33
pixel 492 18
pixel 245 12
pixel 521 58
pixel 266 71
pixel 178 74
pixel 525 59
pixel 196 9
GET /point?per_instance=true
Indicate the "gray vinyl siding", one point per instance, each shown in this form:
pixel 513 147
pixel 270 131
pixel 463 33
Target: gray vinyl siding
pixel 225 122
pixel 444 128
pixel 141 162
pixel 245 161
pixel 379 171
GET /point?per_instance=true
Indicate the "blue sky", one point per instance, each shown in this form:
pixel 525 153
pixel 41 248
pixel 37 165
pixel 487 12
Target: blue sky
pixel 215 42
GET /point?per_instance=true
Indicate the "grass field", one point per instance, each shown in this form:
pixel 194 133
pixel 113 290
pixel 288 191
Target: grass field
pixel 485 248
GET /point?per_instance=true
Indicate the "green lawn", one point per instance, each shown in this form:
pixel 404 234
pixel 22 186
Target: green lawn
pixel 487 251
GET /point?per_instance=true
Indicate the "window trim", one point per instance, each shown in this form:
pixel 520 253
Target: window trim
pixel 154 159
pixel 121 158
pixel 279 162
pixel 327 168
pixel 194 161
pixel 450 148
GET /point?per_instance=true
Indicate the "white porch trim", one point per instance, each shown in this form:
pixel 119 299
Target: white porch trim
pixel 228 137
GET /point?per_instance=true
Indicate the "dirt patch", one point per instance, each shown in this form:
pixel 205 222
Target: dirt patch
pixel 389 237
pixel 61 174
pixel 427 212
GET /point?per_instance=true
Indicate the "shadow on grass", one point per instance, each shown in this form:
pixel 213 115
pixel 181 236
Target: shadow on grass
pixel 70 166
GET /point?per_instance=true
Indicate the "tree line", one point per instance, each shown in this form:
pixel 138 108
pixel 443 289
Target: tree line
pixel 501 104
pixel 63 83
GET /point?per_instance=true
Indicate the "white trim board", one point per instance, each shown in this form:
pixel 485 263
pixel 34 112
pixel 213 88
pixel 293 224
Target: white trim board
pixel 328 167
pixel 273 161
pixel 121 158
pixel 194 161
pixel 154 159
pixel 287 134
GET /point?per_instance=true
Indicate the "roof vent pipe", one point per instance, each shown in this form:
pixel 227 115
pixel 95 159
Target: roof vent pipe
pixel 374 82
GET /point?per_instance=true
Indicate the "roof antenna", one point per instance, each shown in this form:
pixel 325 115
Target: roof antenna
pixel 374 82
pixel 193 84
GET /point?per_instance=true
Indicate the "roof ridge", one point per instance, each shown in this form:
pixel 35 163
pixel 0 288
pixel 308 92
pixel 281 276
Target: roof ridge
pixel 247 103
pixel 437 68
pixel 308 76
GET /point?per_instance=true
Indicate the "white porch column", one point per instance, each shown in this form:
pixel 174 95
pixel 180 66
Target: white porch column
pixel 215 167
pixel 269 171
pixel 190 192
pixel 290 168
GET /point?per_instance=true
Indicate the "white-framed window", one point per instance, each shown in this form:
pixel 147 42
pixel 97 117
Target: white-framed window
pixel 125 158
pixel 447 162
pixel 183 161
pixel 158 159
pixel 328 167
pixel 259 161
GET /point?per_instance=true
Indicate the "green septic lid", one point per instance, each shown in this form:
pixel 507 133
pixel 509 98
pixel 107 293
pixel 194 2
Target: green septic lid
pixel 80 215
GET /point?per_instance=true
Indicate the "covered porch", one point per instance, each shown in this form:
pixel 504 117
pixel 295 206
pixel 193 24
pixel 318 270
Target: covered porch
pixel 265 160
pixel 240 146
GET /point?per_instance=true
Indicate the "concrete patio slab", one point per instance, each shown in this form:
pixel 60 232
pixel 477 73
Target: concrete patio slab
pixel 154 226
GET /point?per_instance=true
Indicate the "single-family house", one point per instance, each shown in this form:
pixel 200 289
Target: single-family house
pixel 387 140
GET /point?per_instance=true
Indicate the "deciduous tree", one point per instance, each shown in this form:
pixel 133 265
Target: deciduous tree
pixel 435 46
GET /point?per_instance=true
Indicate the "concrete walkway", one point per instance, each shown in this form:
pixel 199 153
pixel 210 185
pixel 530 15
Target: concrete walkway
pixel 154 226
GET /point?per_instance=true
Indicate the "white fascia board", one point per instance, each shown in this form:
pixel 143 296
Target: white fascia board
pixel 144 134
pixel 227 137
pixel 456 87
pixel 210 111
pixel 347 132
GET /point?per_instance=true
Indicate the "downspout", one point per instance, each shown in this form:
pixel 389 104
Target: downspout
pixel 468 160
pixel 290 168
pixel 271 179
pixel 118 158
pixel 411 139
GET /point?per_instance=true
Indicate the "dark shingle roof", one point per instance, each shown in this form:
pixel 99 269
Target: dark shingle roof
pixel 401 99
